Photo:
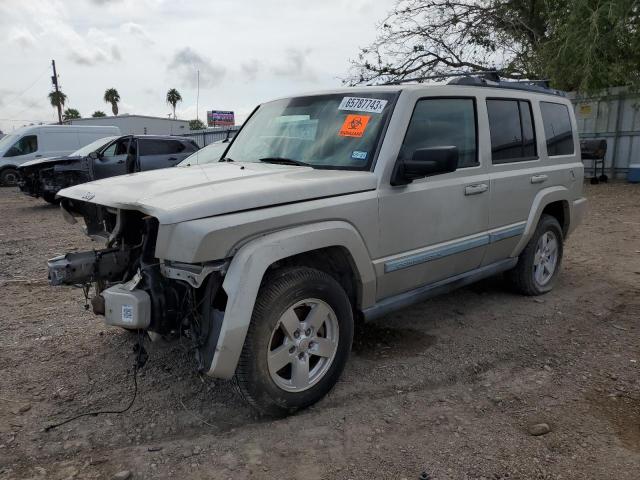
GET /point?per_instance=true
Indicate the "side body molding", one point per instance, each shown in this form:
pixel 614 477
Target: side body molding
pixel 248 266
pixel 541 200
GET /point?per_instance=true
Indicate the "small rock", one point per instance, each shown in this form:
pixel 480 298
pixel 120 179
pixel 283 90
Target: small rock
pixel 19 409
pixel 539 429
pixel 123 475
pixel 154 449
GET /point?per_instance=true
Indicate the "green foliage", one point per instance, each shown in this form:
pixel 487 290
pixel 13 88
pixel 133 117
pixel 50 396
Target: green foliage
pixel 57 99
pixel 196 124
pixel 98 113
pixel 173 97
pixel 583 45
pixel 112 96
pixel 70 114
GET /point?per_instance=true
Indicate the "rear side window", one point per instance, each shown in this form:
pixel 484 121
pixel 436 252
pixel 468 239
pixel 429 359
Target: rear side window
pixel 161 147
pixel 443 122
pixel 557 128
pixel 513 136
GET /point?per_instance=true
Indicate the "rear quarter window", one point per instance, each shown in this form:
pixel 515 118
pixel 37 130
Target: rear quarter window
pixel 557 128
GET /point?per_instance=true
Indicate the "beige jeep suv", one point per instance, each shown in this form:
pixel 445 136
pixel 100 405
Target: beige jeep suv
pixel 327 208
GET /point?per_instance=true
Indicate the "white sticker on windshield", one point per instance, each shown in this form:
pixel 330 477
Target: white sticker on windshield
pixel 357 104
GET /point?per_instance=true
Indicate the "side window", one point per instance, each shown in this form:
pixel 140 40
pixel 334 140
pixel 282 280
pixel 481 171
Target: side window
pixel 117 148
pixel 27 144
pixel 557 128
pixel 160 147
pixel 442 122
pixel 513 137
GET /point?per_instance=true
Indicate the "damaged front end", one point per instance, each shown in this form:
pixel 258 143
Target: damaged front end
pixel 46 178
pixel 135 290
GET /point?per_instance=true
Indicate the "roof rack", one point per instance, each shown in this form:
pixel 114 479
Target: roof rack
pixel 489 78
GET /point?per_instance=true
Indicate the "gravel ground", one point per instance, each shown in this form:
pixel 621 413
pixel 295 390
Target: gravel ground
pixel 452 386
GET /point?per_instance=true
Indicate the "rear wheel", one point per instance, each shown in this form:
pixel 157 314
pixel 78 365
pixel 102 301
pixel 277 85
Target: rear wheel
pixel 298 341
pixel 539 263
pixel 9 177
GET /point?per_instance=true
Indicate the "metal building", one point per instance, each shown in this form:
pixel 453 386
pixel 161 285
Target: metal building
pixel 138 124
pixel 614 116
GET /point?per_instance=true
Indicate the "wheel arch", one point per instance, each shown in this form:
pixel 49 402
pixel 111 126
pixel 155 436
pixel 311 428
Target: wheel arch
pixel 327 246
pixel 553 201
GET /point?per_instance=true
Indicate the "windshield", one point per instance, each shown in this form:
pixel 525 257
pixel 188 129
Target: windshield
pixel 7 141
pixel 338 131
pixel 209 154
pixel 92 147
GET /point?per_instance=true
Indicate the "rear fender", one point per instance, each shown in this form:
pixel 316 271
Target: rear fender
pixel 248 266
pixel 541 200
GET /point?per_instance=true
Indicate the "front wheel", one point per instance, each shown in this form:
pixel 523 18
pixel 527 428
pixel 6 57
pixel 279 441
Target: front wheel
pixel 9 177
pixel 539 263
pixel 298 341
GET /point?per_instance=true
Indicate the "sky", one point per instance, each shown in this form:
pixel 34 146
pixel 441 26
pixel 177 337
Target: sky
pixel 247 52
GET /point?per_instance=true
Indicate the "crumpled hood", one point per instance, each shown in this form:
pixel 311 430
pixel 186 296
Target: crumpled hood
pixel 48 160
pixel 185 193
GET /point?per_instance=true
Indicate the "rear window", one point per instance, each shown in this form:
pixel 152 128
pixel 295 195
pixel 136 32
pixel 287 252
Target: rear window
pixel 557 128
pixel 513 137
pixel 162 147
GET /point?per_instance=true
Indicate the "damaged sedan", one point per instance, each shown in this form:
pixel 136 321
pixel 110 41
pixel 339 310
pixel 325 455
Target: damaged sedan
pixel 106 157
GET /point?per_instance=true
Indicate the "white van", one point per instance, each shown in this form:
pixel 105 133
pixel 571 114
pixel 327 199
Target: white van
pixel 40 141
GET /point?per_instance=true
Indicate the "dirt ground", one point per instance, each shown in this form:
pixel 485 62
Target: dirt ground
pixel 450 387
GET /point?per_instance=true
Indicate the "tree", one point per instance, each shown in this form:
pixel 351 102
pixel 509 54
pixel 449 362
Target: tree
pixel 577 44
pixel 98 113
pixel 196 124
pixel 173 97
pixel 57 99
pixel 70 114
pixel 112 96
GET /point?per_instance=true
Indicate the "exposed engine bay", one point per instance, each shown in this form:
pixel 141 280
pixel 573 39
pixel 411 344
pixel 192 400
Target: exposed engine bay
pixel 46 182
pixel 132 288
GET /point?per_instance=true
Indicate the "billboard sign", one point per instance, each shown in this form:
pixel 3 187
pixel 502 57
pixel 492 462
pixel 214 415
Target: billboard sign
pixel 220 118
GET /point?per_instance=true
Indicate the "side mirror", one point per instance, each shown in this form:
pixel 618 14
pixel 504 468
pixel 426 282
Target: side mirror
pixel 94 155
pixel 424 163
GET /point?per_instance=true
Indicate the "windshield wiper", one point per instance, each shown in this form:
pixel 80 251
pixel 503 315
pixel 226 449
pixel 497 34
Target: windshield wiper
pixel 284 161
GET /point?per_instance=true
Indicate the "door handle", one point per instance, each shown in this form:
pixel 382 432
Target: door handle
pixel 120 161
pixel 172 159
pixel 476 188
pixel 539 178
pixel 38 156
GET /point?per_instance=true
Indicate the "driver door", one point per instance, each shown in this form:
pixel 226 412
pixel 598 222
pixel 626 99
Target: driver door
pixel 112 160
pixel 435 227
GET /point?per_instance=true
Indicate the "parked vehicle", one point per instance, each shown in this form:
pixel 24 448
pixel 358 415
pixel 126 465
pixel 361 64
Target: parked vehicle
pixel 208 154
pixel 103 158
pixel 328 208
pixel 42 141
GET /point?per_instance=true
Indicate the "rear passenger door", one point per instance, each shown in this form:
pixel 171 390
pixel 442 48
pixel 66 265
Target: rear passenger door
pixel 157 153
pixel 516 172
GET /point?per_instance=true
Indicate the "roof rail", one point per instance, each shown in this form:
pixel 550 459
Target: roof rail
pixel 489 78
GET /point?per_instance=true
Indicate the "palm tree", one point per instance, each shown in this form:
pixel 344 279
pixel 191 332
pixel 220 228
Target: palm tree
pixel 57 99
pixel 173 97
pixel 70 114
pixel 98 113
pixel 112 96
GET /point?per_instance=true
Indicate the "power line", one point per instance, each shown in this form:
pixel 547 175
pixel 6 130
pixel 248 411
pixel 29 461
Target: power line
pixel 15 97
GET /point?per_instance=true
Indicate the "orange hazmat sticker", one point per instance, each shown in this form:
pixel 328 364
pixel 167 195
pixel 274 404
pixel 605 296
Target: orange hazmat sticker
pixel 354 125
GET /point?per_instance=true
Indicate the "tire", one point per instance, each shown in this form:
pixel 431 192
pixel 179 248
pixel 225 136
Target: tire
pixel 9 177
pixel 531 276
pixel 51 198
pixel 284 321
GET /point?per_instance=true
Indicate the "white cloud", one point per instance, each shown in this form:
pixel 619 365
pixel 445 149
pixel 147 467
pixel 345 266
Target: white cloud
pixel 247 52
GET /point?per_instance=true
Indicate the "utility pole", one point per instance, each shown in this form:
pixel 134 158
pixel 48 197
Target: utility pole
pixel 54 80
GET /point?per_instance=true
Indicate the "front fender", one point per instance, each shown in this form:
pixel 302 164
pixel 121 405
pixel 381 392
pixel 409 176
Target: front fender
pixel 243 278
pixel 541 200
